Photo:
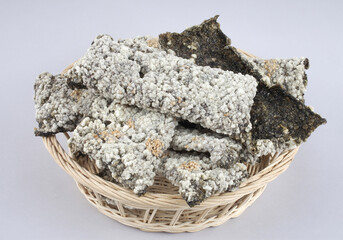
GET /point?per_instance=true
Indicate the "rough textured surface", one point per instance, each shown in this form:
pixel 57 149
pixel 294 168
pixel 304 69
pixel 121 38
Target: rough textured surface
pixel 289 74
pixel 207 45
pixel 281 119
pixel 131 72
pixel 58 107
pixel 204 43
pixel 275 78
pixel 223 150
pixel 125 140
pixel 125 98
pixel 198 177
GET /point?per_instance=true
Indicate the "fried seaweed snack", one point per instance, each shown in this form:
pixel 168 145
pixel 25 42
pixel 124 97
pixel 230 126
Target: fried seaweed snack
pixel 223 150
pixel 207 45
pixel 282 125
pixel 58 107
pixel 280 122
pixel 130 72
pixel 188 106
pixel 127 141
pixel 199 178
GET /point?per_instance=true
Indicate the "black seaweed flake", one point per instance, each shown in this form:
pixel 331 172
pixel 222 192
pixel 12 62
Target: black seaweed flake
pixel 275 115
pixel 205 41
pixel 208 45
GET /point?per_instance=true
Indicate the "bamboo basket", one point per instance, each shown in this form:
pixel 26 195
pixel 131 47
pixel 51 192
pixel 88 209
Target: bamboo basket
pixel 161 208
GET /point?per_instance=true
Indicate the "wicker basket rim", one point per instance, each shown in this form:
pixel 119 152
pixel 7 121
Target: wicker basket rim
pixel 277 164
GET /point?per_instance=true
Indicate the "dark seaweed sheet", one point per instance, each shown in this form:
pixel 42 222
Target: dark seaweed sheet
pixel 275 113
pixel 210 45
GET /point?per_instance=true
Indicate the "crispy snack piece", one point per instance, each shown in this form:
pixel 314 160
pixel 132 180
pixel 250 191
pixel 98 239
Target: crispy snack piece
pixel 282 119
pixel 204 43
pixel 211 47
pixel 289 74
pixel 198 178
pixel 279 120
pixel 207 45
pixel 130 72
pixel 58 107
pixel 127 141
pixel 223 150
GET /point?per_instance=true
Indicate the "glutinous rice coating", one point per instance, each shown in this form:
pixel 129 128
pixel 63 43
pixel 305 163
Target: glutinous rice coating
pixel 198 178
pixel 125 140
pixel 289 74
pixel 223 150
pixel 130 72
pixel 58 107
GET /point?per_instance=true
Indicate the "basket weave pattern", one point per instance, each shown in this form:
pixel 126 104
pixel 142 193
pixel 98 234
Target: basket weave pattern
pixel 162 208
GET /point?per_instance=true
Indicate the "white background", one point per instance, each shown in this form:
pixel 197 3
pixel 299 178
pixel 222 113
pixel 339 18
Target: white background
pixel 40 201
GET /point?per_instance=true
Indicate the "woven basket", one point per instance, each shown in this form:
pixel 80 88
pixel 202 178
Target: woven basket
pixel 161 208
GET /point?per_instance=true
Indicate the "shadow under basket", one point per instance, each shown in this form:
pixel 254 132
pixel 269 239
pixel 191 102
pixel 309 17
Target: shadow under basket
pixel 162 208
